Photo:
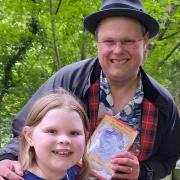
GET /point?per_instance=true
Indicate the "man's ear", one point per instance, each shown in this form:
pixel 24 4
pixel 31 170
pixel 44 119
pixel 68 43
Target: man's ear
pixel 146 40
pixel 27 131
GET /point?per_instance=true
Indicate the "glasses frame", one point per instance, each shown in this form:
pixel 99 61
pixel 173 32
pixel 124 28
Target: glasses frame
pixel 125 43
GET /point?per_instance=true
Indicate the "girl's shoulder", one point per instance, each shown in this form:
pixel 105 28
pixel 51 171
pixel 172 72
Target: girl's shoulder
pixel 72 172
pixel 30 176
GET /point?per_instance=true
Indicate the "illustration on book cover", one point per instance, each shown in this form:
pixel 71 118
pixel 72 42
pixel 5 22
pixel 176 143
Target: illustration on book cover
pixel 110 137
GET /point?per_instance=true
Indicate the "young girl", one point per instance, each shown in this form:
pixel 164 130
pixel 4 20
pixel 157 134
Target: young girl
pixel 54 138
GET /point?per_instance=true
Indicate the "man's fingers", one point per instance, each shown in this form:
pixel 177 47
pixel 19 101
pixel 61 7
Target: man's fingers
pixel 6 173
pixel 18 169
pixel 10 170
pixel 124 154
pixel 10 175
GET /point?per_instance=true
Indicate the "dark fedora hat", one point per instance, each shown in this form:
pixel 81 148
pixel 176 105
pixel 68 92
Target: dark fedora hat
pixel 127 8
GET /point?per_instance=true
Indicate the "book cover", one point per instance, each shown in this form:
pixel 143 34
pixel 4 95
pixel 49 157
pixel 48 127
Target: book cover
pixel 110 137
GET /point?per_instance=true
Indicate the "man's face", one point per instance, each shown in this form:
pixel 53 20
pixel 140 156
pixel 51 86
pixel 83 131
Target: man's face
pixel 121 45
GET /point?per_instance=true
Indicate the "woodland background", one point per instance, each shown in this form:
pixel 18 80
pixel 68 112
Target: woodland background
pixel 37 37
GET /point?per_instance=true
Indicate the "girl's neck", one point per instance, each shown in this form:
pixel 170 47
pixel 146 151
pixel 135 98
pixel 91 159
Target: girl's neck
pixel 47 174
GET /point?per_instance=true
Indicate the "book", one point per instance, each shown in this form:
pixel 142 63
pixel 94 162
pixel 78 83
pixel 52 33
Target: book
pixel 109 138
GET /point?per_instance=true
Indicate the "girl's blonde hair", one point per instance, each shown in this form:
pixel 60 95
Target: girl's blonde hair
pixel 55 99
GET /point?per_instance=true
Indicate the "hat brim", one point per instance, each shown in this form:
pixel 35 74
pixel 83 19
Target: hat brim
pixel 91 21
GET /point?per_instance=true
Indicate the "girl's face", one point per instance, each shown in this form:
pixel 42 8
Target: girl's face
pixel 58 141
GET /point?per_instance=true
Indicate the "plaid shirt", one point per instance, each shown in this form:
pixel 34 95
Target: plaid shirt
pixel 149 121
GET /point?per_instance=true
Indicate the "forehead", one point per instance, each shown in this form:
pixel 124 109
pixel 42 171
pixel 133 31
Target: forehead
pixel 62 117
pixel 121 25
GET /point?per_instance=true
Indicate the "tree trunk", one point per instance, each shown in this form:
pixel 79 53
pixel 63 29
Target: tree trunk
pixel 177 98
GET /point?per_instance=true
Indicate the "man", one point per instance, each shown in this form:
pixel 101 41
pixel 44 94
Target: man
pixel 115 82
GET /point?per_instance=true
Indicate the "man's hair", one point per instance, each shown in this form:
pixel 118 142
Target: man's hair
pixel 55 99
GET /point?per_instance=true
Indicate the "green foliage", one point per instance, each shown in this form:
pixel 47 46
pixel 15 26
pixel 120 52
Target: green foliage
pixel 164 61
pixel 27 44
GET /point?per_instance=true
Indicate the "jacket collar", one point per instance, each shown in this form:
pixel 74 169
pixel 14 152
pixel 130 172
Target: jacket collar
pixel 148 86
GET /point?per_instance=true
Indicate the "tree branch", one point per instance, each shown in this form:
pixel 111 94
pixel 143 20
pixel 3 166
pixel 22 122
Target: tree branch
pixel 59 4
pixel 22 47
pixel 160 35
pixel 171 35
pixel 166 58
pixel 53 26
pixel 8 68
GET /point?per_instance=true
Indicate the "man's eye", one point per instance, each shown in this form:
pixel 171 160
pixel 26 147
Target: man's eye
pixel 128 41
pixel 109 42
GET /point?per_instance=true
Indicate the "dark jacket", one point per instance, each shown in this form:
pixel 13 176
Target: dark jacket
pixel 77 78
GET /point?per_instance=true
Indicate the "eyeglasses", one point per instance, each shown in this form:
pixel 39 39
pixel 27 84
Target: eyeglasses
pixel 125 43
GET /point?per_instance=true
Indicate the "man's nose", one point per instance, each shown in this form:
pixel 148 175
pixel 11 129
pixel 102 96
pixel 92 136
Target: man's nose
pixel 118 47
pixel 64 139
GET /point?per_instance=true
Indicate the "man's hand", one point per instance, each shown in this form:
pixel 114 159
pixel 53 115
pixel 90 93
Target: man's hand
pixel 10 170
pixel 125 165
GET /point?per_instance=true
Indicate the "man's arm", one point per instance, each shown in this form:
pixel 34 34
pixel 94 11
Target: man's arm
pixel 164 160
pixel 11 150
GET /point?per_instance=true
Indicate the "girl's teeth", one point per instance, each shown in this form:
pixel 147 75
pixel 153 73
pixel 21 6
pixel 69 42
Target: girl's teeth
pixel 62 153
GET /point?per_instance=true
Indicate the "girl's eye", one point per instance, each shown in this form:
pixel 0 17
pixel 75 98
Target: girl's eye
pixel 51 131
pixel 75 133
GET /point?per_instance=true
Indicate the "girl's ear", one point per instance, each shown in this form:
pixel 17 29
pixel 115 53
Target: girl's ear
pixel 27 131
pixel 87 135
